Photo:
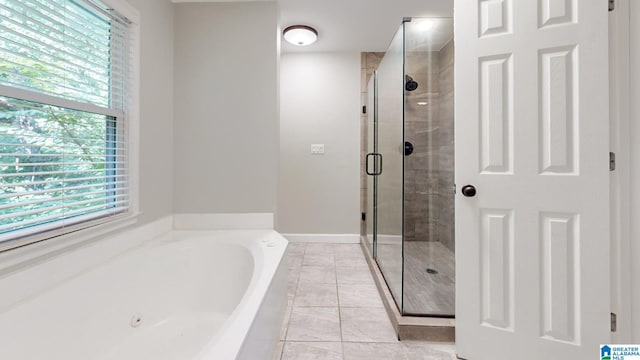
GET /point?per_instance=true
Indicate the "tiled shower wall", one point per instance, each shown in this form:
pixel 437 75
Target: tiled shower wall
pixel 429 176
pixel 445 198
pixel 421 128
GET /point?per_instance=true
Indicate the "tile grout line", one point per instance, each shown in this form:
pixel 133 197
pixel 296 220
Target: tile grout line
pixel 335 271
pixel 286 333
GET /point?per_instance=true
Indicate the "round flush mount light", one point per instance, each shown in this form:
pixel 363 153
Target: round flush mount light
pixel 300 35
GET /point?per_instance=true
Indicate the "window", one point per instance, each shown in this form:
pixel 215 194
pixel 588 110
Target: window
pixel 64 79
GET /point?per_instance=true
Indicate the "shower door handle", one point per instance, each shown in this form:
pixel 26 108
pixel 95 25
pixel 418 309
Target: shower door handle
pixel 377 166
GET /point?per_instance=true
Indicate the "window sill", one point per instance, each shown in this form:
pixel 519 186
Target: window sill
pixel 18 258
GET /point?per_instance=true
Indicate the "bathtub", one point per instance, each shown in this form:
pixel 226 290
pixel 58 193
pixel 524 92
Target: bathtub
pixel 207 295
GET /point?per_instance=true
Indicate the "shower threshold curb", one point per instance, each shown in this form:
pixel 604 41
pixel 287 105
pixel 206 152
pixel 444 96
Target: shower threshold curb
pixel 409 327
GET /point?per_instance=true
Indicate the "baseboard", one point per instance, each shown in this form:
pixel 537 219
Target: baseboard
pixel 250 221
pixel 323 238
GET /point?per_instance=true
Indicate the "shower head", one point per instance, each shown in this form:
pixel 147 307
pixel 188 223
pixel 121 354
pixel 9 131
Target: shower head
pixel 410 84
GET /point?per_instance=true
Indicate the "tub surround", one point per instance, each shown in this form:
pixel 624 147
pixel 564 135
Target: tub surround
pixel 34 269
pixel 134 266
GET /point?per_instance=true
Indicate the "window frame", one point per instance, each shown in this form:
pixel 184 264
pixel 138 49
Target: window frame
pixel 87 226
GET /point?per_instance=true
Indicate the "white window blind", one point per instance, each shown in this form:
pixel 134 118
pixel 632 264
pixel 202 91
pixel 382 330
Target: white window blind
pixel 63 129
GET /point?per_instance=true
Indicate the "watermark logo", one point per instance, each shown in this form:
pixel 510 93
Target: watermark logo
pixel 620 352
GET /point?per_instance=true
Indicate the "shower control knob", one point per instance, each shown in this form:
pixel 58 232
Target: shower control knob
pixel 469 190
pixel 408 148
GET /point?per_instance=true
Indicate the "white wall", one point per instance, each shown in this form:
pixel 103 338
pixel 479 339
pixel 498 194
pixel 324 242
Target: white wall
pixel 319 104
pixel 156 108
pixel 226 121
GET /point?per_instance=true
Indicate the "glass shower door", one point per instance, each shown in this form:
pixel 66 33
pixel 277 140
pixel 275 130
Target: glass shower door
pixel 410 163
pixel 372 163
pixel 390 146
pixel 429 258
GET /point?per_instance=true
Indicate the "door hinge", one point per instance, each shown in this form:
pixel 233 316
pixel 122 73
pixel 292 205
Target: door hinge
pixel 612 5
pixel 363 216
pixel 612 161
pixel 364 109
pixel 614 322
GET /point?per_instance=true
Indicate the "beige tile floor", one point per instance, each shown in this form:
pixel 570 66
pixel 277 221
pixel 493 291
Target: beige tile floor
pixel 334 311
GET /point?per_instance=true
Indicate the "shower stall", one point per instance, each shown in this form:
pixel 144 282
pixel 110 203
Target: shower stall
pixel 409 167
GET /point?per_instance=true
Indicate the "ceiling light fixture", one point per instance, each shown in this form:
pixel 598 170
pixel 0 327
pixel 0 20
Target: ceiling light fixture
pixel 300 35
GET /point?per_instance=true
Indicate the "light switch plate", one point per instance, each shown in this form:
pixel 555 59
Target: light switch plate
pixel 317 149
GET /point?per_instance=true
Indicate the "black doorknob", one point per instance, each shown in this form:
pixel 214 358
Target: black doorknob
pixel 469 191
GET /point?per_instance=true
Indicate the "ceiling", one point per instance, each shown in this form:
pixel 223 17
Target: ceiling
pixel 352 25
pixel 355 25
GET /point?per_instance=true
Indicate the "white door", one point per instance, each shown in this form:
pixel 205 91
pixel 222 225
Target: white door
pixel 532 246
